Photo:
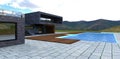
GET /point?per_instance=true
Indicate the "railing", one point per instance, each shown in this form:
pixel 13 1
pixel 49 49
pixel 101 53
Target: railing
pixel 10 13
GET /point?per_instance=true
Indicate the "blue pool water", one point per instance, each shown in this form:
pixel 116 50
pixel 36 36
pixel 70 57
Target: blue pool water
pixel 92 36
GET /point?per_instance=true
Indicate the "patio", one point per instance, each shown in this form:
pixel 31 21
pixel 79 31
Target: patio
pixel 33 49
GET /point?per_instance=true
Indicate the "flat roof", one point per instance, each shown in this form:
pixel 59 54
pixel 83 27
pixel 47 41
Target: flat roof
pixel 47 15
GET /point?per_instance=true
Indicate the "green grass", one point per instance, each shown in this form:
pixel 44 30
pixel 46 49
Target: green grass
pixel 76 31
pixel 113 29
pixel 68 30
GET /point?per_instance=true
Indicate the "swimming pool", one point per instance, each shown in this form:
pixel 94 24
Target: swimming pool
pixel 92 36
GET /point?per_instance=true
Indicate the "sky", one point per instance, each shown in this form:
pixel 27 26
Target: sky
pixel 70 10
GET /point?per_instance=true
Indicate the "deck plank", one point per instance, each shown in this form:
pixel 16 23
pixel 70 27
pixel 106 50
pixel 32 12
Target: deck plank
pixel 116 51
pixel 34 49
pixel 117 36
pixel 89 51
pixel 79 51
pixel 65 54
pixel 98 51
pixel 107 54
pixel 116 47
pixel 63 50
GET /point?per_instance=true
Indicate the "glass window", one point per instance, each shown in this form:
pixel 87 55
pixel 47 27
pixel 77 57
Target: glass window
pixel 45 19
pixel 7 31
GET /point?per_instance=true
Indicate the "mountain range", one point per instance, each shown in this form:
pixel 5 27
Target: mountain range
pixel 98 24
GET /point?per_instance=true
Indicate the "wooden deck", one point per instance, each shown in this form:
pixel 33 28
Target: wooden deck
pixel 52 38
pixel 34 49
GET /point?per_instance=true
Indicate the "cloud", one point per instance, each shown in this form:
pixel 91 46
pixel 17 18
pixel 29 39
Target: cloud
pixel 5 1
pixel 51 6
pixel 73 10
pixel 27 4
pixel 22 4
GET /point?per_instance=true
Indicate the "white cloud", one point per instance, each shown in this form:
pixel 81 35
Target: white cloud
pixel 72 10
pixel 22 4
pixel 28 4
pixel 15 3
pixel 75 10
pixel 5 1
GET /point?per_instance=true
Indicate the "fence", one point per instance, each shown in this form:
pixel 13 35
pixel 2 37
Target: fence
pixel 10 13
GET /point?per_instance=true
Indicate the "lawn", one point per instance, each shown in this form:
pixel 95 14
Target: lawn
pixel 68 31
pixel 75 31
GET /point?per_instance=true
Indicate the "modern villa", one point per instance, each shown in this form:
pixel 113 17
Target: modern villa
pixel 14 30
pixel 14 26
pixel 41 23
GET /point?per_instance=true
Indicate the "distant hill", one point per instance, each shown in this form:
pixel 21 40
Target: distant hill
pixel 99 24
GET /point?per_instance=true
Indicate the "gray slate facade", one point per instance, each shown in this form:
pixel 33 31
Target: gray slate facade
pixel 34 18
pixel 19 30
pixel 35 21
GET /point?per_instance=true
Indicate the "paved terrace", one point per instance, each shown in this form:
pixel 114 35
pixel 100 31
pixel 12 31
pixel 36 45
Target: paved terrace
pixel 33 49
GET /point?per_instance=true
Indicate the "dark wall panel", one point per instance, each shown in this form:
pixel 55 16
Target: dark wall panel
pixel 19 30
pixel 32 18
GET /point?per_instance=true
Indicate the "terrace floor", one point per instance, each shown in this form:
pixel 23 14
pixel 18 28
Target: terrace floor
pixel 34 49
